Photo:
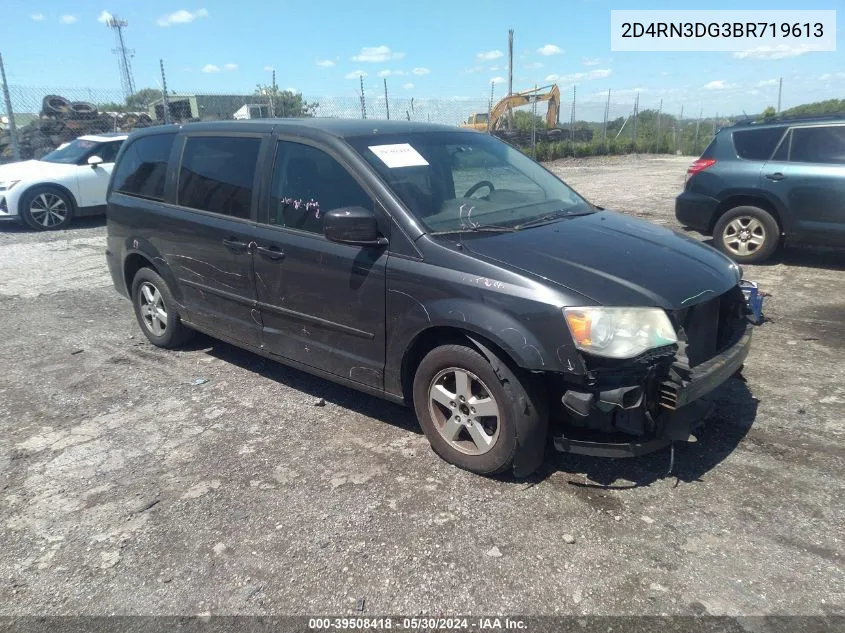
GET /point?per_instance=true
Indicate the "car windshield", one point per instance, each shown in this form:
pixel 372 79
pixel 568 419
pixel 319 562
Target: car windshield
pixel 71 153
pixel 456 181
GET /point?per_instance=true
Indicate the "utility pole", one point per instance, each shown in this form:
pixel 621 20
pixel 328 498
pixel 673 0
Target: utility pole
pixel 124 55
pixel 572 121
pixel 13 132
pixel 510 76
pixel 363 103
pixel 386 103
pixel 697 125
pixel 780 92
pixel 165 103
pixel 490 107
pixel 659 112
pixel 273 96
pixel 606 116
pixel 634 129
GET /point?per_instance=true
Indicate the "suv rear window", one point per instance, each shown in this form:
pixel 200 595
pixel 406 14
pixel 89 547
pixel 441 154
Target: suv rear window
pixel 757 144
pixel 143 167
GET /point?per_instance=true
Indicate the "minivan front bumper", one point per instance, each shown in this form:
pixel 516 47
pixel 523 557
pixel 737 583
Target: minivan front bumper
pixel 683 403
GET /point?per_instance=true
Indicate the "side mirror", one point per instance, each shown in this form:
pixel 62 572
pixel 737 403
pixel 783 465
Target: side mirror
pixel 352 225
pixel 94 161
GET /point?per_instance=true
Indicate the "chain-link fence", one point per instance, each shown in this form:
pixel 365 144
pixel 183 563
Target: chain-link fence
pixel 45 118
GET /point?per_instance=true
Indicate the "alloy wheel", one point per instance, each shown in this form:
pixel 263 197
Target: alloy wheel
pixel 744 235
pixel 464 411
pixel 48 210
pixel 153 310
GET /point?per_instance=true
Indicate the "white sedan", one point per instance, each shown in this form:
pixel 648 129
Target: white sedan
pixel 71 181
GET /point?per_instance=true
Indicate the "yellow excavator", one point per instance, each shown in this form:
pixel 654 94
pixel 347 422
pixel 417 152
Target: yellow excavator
pixel 495 119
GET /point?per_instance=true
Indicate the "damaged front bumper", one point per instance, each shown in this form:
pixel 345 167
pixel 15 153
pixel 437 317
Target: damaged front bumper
pixel 668 410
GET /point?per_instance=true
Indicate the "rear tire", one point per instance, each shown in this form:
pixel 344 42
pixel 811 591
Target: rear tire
pixel 478 418
pixel 747 234
pixel 156 311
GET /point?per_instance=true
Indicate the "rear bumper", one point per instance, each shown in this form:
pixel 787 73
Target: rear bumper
pixel 116 272
pixel 696 211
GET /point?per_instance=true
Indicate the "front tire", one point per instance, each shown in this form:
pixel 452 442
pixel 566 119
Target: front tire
pixel 747 234
pixel 46 209
pixel 156 311
pixel 478 418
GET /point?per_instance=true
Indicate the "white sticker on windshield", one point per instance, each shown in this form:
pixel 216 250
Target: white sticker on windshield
pixel 398 155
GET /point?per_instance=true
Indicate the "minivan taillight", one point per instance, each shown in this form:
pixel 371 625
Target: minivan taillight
pixel 698 166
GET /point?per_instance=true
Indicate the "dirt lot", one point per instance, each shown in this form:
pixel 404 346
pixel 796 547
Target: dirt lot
pixel 128 487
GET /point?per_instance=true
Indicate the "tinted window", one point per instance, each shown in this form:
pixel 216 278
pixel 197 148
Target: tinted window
pixel 782 152
pixel 143 167
pixel 818 145
pixel 217 174
pixel 307 183
pixel 108 151
pixel 757 144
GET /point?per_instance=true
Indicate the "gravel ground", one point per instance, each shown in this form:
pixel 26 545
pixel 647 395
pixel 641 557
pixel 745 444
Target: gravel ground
pixel 140 481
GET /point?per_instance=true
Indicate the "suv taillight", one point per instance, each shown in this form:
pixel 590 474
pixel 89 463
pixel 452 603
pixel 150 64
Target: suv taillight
pixel 698 166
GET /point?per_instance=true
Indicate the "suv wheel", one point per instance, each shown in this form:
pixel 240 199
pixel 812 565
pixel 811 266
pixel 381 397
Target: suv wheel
pixel 156 312
pixel 475 417
pixel 747 234
pixel 46 209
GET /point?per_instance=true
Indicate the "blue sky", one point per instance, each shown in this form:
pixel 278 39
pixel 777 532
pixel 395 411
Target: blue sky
pixel 426 49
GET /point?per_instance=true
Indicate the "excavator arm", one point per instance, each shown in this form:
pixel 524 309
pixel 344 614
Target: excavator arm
pixel 524 98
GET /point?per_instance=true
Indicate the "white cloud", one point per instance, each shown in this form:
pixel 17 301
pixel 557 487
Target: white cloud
pixel 772 52
pixel 325 63
pixel 590 61
pixel 37 17
pixel 293 90
pixel 494 68
pixel 268 69
pixel 68 19
pixel 376 54
pixel 231 66
pixel 210 68
pixel 355 74
pixel 473 69
pixel 718 84
pixel 488 56
pixel 549 49
pixel 419 71
pixel 767 82
pixel 532 65
pixel 599 73
pixel 408 86
pixel 104 18
pixel 391 73
pixel 497 80
pixel 182 16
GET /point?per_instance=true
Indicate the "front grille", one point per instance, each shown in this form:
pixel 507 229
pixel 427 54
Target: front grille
pixel 709 326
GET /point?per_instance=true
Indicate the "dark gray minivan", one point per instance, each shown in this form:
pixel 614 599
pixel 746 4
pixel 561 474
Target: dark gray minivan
pixel 432 266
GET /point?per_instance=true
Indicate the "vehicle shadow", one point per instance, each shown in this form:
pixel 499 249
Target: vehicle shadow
pixel 86 223
pixel 826 257
pixel 735 413
pixel 318 388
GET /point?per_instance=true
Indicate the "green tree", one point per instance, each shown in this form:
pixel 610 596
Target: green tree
pixel 769 113
pixel 286 103
pixel 142 98
pixel 522 120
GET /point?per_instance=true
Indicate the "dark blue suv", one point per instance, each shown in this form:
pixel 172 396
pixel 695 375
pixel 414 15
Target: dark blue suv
pixel 758 183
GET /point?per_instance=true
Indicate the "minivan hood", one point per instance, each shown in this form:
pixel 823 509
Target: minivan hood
pixel 28 168
pixel 613 259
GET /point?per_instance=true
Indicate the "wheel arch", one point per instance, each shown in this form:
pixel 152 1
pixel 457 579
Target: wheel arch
pixel 750 200
pixel 439 335
pixel 47 185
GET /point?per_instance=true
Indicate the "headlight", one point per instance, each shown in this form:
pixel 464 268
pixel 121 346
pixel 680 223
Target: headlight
pixel 5 185
pixel 619 332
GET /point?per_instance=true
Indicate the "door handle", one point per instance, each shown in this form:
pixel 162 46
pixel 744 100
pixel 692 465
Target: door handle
pixel 270 252
pixel 235 244
pixel 776 176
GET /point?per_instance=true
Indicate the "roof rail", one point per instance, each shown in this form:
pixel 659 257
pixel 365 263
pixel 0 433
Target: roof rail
pixel 788 119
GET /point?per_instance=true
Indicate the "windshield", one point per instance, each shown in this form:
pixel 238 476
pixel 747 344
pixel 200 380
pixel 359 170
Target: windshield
pixel 71 153
pixel 455 181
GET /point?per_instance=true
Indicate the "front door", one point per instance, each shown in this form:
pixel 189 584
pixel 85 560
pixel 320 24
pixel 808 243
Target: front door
pixel 211 237
pixel 93 180
pixel 807 173
pixel 322 303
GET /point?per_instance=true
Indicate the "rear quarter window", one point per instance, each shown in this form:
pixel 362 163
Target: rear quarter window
pixel 142 168
pixel 757 144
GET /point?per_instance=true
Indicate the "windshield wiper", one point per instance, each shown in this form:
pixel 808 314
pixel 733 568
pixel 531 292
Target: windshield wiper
pixel 489 228
pixel 550 217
